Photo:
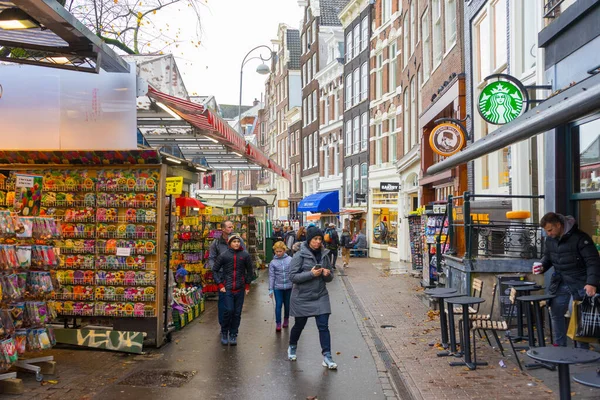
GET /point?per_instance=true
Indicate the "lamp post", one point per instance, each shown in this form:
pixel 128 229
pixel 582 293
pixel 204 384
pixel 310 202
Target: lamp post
pixel 262 69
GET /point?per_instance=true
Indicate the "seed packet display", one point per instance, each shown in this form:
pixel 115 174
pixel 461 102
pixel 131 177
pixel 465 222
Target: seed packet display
pixel 8 256
pixel 9 351
pixel 24 256
pixel 27 223
pixel 39 282
pixel 21 341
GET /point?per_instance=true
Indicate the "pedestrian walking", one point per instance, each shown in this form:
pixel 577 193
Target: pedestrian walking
pixel 290 239
pixel 576 264
pixel 233 272
pixel 346 243
pixel 301 236
pixel 280 284
pixel 310 271
pixel 332 243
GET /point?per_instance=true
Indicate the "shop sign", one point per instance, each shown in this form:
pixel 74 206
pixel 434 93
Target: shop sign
pixel 174 185
pixel 28 195
pixel 501 102
pixel 283 203
pixel 446 139
pixel 246 210
pixel 359 197
pixel 389 186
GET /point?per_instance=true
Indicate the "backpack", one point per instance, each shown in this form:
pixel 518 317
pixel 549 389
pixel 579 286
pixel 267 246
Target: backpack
pixel 327 237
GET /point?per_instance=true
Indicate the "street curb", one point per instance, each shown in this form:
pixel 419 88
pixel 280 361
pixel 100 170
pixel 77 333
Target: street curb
pixel 378 349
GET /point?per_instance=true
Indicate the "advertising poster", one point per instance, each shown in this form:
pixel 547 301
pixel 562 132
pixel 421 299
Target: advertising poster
pixel 28 194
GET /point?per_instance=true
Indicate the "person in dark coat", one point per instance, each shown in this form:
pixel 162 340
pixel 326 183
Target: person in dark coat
pixel 310 271
pixel 333 244
pixel 576 264
pixel 233 272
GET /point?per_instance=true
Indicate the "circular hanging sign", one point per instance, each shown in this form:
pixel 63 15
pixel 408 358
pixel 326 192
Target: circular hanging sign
pixel 500 102
pixel 446 139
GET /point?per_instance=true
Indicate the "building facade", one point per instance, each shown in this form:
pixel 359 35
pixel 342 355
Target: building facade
pixel 294 122
pixel 356 20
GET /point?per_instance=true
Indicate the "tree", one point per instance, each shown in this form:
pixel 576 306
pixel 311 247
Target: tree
pixel 135 26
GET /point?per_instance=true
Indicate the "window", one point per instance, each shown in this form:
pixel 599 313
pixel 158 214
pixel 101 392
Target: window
pixel 305 111
pixel 349 46
pixel 405 50
pixel 315 101
pixel 364 78
pixel 450 14
pixel 309 73
pixel 326 110
pixel 336 159
pixel 348 88
pixel 292 144
pixel 315 69
pixel 348 138
pixel 500 33
pixel 392 68
pixel 356 141
pixel 293 178
pixel 378 144
pixel 356 77
pixel 379 77
pixel 355 181
pixel 316 149
pixel 364 131
pixel 436 16
pixel 348 185
pixel 528 43
pixel 413 26
pixel 314 31
pixel 303 43
pixel 297 142
pixel 356 40
pixel 406 128
pixel 325 160
pixel 310 152
pixel 336 106
pixel 426 45
pixel 305 153
pixel 482 31
pixel 386 11
pixel 392 139
pixel 298 176
pixel 364 182
pixel 413 112
pixel 364 33
pixel 419 101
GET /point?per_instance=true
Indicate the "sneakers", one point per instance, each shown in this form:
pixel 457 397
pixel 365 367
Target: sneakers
pixel 292 352
pixel 233 340
pixel 224 338
pixel 286 322
pixel 278 327
pixel 328 361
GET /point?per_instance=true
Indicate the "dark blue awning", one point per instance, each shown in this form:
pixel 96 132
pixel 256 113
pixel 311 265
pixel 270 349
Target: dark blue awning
pixel 321 202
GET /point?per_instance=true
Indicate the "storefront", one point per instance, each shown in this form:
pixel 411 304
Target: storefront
pixel 382 222
pixel 408 202
pixel 321 208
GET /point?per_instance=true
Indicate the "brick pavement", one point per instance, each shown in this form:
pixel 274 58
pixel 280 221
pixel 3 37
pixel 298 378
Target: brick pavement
pixel 388 299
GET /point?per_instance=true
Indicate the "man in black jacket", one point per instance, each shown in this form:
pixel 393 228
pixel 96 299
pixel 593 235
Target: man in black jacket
pixel 576 264
pixel 233 272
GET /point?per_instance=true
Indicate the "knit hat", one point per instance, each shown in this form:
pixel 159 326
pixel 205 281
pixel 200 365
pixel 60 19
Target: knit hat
pixel 311 232
pixel 232 237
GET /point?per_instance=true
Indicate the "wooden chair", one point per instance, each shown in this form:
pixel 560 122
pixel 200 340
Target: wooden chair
pixel 477 292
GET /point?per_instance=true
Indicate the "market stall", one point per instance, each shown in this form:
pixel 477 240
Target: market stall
pixel 111 269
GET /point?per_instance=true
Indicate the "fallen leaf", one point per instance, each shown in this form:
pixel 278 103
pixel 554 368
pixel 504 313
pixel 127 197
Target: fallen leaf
pixel 356 357
pixel 164 385
pixel 338 353
pixel 53 382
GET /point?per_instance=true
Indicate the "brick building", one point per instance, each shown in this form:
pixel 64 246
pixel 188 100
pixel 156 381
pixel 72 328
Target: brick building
pixel 356 20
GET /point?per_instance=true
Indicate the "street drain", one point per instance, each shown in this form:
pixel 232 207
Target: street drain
pixel 158 378
pixel 387 326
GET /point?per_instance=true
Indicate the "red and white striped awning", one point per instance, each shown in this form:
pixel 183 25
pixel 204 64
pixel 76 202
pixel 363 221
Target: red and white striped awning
pixel 256 155
pixel 188 110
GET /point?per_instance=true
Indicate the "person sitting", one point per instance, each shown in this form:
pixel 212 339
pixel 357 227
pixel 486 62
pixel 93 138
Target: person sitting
pixel 360 243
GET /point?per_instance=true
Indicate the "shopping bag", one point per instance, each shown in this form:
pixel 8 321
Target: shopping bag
pixel 588 317
pixel 572 329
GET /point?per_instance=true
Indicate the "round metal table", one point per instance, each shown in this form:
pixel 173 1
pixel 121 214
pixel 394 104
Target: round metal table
pixel 539 327
pixel 524 290
pixel 440 294
pixel 465 302
pixel 589 378
pixel 519 283
pixel 563 357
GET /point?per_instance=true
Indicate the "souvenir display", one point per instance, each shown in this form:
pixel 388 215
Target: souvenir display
pixel 415 229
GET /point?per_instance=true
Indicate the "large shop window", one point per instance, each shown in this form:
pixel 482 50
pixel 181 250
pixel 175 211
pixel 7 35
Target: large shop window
pixel 586 154
pixel 385 218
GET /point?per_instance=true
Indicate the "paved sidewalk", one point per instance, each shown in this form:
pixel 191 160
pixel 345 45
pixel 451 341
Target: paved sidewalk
pixel 384 297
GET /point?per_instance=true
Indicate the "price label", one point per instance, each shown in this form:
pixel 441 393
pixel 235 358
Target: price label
pixel 24 181
pixel 174 185
pixel 123 251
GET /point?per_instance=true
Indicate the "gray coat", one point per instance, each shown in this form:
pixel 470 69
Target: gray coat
pixel 309 294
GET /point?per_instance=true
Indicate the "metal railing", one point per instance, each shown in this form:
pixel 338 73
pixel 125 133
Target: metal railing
pixel 550 8
pixel 485 238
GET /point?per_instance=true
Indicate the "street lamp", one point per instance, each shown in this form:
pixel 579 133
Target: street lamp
pixel 262 69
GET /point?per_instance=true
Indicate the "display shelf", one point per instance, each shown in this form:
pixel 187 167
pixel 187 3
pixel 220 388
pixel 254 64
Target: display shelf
pixel 68 203
pixel 127 203
pixel 73 296
pixel 76 281
pixel 118 235
pixel 133 282
pixel 79 235
pixel 124 297
pixel 81 187
pixel 121 219
pixel 70 250
pixel 126 188
pixel 130 314
pixel 150 266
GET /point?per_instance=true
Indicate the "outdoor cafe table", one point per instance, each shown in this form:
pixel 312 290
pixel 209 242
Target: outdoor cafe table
pixel 440 294
pixel 589 378
pixel 465 302
pixel 523 289
pixel 539 326
pixel 563 356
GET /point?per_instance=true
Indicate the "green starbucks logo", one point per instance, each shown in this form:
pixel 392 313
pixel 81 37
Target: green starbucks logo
pixel 500 102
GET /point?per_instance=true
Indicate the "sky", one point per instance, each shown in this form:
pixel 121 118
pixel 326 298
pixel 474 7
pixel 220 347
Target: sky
pixel 230 28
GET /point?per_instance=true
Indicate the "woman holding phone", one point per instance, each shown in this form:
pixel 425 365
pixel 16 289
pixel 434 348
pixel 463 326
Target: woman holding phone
pixel 310 270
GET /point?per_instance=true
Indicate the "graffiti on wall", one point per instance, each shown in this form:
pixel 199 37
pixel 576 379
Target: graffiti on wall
pixel 124 341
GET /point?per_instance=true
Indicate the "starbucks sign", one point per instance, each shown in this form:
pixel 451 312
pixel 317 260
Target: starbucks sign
pixel 501 102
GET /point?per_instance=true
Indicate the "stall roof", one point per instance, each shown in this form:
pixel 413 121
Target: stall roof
pixel 201 134
pixel 61 41
pixel 321 202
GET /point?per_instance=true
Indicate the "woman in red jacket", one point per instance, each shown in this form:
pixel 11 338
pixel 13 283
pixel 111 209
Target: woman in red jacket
pixel 233 272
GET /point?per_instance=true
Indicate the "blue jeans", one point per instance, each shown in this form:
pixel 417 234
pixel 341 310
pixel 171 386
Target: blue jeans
pixel 558 307
pixel 230 311
pixel 282 298
pixel 323 326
